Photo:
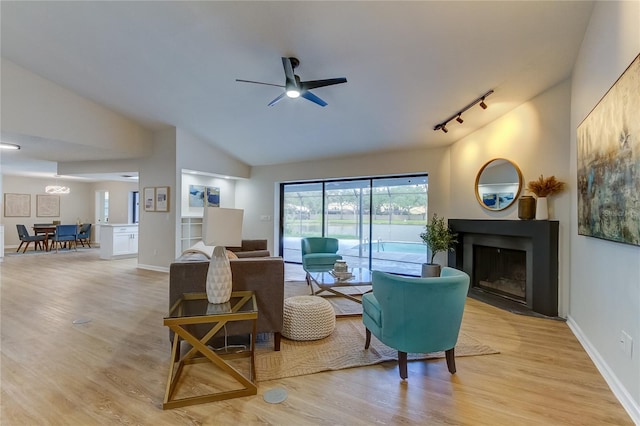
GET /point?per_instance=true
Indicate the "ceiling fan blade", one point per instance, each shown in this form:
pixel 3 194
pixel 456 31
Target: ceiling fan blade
pixel 276 100
pixel 259 82
pixel 288 70
pixel 307 85
pixel 313 98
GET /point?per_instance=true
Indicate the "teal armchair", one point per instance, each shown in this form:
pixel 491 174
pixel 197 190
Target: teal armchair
pixel 319 253
pixel 416 315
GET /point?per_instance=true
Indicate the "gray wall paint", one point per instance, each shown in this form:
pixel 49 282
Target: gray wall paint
pixel 605 276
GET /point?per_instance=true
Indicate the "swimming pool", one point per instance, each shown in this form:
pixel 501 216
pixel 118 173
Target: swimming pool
pixel 394 247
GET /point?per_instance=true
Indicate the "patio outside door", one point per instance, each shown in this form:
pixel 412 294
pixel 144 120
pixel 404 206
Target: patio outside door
pixel 377 221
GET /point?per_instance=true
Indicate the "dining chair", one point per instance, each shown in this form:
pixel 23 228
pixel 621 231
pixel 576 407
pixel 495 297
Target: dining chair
pixel 66 234
pixel 416 315
pixel 23 233
pixel 84 234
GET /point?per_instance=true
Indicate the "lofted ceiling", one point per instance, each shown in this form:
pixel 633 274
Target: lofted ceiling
pixel 409 66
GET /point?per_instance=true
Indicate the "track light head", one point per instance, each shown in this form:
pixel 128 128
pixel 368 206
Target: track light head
pixel 444 128
pixel 459 119
pixel 482 104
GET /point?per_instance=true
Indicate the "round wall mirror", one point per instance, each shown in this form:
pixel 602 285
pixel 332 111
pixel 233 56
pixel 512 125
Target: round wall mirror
pixel 498 184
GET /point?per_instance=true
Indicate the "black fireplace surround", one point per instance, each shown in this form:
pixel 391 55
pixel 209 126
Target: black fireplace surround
pixel 541 236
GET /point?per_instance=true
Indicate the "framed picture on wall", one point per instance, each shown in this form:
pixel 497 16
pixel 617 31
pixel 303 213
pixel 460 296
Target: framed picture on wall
pixel 196 195
pixel 162 199
pixel 149 199
pixel 47 205
pixel 490 200
pixel 608 145
pixel 17 205
pixel 213 197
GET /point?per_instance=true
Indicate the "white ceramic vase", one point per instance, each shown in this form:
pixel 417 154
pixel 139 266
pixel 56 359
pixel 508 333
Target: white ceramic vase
pixel 219 277
pixel 542 210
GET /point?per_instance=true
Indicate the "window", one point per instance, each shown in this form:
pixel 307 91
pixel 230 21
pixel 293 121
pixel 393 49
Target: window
pixel 378 221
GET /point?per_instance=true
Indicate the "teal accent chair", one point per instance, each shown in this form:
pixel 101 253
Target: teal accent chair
pixel 319 253
pixel 66 234
pixel 416 315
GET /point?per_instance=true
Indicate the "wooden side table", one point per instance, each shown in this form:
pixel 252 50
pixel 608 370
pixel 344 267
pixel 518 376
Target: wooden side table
pixel 194 308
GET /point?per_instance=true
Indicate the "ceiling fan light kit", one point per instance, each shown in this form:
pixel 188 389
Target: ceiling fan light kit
pixel 294 88
pixel 458 115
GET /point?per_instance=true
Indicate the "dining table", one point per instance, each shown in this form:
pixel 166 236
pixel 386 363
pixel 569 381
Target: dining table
pixel 47 230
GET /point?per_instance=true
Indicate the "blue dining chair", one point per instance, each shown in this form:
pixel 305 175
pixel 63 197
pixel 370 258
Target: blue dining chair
pixel 24 236
pixel 416 315
pixel 66 234
pixel 84 234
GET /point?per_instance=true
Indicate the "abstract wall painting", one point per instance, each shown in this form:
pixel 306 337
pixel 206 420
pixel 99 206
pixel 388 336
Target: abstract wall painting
pixel 608 145
pixel 213 197
pixel 490 200
pixel 196 195
pixel 505 199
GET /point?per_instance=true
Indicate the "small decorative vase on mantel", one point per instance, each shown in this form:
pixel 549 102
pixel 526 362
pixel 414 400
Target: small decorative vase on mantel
pixel 542 209
pixel 526 207
pixel 219 277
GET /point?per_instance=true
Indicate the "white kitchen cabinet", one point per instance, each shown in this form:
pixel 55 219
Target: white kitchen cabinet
pixel 118 241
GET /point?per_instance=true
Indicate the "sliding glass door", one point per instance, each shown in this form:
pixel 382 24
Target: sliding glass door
pixel 377 221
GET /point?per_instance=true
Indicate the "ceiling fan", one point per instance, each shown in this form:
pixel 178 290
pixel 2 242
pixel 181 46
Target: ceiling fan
pixel 294 88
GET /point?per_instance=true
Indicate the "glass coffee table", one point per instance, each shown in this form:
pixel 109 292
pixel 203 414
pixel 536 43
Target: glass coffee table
pixel 194 308
pixel 330 282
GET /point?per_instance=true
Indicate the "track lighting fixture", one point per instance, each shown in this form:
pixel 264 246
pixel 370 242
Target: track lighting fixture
pixel 458 115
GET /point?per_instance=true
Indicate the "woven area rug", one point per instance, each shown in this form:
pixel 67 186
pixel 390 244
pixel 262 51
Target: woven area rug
pixel 344 348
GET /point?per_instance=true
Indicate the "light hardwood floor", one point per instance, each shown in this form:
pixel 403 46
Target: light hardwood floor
pixel 113 369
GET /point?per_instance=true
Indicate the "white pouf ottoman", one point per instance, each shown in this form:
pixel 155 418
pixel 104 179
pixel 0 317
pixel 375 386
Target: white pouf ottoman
pixel 308 318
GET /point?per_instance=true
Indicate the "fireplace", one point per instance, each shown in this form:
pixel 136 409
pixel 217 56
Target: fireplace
pixel 501 271
pixel 512 263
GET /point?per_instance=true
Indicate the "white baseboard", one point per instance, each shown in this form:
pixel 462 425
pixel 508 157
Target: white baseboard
pixel 153 268
pixel 632 407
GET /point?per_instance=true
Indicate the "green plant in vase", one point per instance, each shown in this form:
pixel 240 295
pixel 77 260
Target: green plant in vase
pixel 438 237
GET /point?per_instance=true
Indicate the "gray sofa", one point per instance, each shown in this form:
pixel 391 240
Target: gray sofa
pixel 251 248
pixel 264 275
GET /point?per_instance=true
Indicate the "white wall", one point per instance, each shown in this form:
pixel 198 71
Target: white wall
pixel 605 276
pixel 34 106
pixel 195 154
pixel 259 196
pixel 119 196
pixel 159 231
pixel 535 136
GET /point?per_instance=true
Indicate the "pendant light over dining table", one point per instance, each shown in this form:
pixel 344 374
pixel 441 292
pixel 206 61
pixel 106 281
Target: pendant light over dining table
pixel 57 189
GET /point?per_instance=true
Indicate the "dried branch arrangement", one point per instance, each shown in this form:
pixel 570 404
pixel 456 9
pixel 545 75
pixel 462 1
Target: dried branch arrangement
pixel 543 187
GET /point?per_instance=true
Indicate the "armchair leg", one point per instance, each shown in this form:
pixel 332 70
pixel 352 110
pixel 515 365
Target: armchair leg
pixel 451 360
pixel 20 246
pixel 402 364
pixel 368 339
pixel 277 337
pixel 26 247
